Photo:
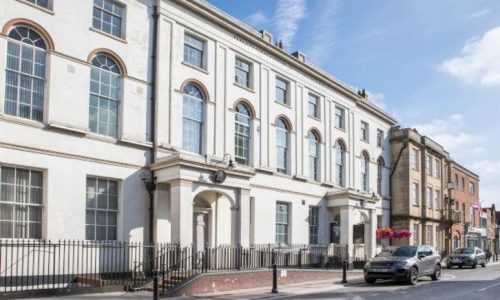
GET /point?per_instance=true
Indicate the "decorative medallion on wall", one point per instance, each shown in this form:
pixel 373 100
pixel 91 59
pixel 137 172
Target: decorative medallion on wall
pixel 218 176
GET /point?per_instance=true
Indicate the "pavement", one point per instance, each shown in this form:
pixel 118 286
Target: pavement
pixel 480 283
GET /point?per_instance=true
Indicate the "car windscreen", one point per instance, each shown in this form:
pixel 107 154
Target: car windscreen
pixel 464 251
pixel 407 251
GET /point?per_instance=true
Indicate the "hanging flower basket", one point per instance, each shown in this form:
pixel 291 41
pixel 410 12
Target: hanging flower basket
pixel 389 233
pixel 385 233
pixel 402 234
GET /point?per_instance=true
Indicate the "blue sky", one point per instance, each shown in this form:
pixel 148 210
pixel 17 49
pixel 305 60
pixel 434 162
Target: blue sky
pixel 434 65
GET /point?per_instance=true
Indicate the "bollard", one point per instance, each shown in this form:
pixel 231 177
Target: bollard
pixel 156 293
pixel 275 279
pixel 344 272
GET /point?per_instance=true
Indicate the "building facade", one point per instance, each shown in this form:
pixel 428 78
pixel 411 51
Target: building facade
pixel 250 144
pixel 464 191
pixel 418 187
pixel 489 216
pixel 73 120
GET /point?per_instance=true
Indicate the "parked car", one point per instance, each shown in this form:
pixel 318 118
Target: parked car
pixel 406 263
pixel 471 256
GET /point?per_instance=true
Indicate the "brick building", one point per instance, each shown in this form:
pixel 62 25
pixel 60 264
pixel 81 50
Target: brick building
pixel 463 189
pixel 489 215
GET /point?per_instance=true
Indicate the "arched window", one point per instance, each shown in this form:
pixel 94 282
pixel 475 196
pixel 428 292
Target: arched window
pixel 242 134
pixel 380 175
pixel 25 74
pixel 104 96
pixel 365 160
pixel 314 155
pixel 192 118
pixel 339 163
pixel 282 136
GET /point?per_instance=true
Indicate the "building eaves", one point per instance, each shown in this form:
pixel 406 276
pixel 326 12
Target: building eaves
pixel 464 170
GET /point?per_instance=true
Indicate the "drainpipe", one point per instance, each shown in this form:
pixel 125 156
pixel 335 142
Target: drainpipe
pixel 151 184
pixel 405 145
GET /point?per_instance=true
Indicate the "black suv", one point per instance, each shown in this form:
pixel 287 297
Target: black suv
pixel 406 263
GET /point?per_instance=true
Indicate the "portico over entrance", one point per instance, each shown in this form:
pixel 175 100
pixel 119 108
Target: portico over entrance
pixel 353 221
pixel 192 209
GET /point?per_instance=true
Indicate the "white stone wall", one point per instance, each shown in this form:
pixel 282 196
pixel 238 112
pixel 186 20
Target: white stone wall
pixel 62 146
pixel 218 79
pixel 67 152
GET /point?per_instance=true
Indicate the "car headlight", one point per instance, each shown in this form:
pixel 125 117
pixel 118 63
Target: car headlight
pixel 399 264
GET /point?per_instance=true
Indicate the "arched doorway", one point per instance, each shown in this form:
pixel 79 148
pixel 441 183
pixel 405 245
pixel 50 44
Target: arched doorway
pixel 214 220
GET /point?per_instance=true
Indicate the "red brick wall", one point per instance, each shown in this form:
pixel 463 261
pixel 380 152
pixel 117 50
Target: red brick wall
pixel 217 282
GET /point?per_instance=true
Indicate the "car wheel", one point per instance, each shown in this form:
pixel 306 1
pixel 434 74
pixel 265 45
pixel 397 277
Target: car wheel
pixel 448 267
pixel 412 276
pixel 475 264
pixel 370 280
pixel 437 273
pixel 460 266
pixel 483 264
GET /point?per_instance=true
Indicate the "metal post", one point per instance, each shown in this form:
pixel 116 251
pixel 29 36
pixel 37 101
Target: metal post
pixel 156 293
pixel 275 279
pixel 344 272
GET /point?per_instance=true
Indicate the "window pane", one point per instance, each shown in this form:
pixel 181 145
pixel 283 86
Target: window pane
pixel 25 72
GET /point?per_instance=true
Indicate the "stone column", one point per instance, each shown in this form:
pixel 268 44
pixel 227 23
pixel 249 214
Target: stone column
pixel 200 231
pixel 244 218
pixel 181 212
pixel 346 228
pixel 372 238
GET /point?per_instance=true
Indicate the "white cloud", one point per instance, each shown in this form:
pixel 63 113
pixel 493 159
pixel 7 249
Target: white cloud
pixel 324 31
pixel 257 19
pixel 490 169
pixel 287 17
pixel 378 99
pixel 479 62
pixel 447 132
pixel 479 14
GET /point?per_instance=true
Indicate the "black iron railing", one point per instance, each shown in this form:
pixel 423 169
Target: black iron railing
pixel 27 265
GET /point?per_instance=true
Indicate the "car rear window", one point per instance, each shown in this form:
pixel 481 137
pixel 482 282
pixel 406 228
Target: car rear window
pixel 464 251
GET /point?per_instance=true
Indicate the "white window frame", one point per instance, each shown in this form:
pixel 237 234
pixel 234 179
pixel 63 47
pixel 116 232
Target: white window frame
pixel 437 197
pixel 380 138
pixel 286 148
pixel 18 217
pixel 340 166
pixel 340 118
pixel 37 3
pixel 415 193
pixel 314 158
pixel 428 165
pixel 286 90
pixel 313 225
pixel 365 172
pixel 437 168
pixel 415 159
pixel 113 14
pixel 240 135
pixel 416 234
pixel 249 72
pixel 28 69
pixel 365 131
pixel 185 58
pixel 430 197
pixel 313 105
pixel 286 224
pixel 106 211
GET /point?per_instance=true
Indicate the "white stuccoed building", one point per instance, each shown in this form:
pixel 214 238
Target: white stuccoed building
pixel 311 161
